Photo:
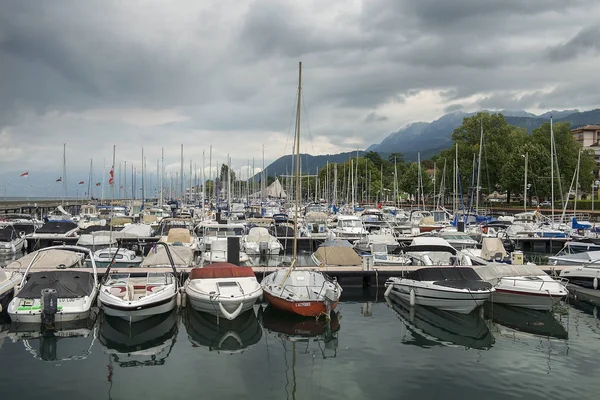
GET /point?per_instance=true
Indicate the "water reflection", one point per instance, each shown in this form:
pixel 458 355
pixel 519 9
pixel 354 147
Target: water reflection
pixel 50 345
pixel 295 328
pixel 221 334
pixel 432 327
pixel 540 323
pixel 145 343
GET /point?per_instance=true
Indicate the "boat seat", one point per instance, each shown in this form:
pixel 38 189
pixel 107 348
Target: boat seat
pixel 119 291
pixel 155 288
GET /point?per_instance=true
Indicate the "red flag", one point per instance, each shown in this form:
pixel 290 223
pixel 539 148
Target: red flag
pixel 25 174
pixel 59 179
pixel 98 183
pixel 111 180
pixel 81 182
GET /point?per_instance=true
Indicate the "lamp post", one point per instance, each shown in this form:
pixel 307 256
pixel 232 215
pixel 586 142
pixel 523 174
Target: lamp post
pixel 594 186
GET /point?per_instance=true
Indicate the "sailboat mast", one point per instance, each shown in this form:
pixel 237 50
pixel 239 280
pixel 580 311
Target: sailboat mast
pixel 64 175
pixel 552 166
pixel 479 168
pixel 181 192
pixel 89 190
pixel 297 163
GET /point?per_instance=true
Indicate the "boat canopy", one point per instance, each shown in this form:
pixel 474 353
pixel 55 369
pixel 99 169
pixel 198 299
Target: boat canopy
pixel 444 274
pixel 491 246
pixel 157 257
pixel 336 243
pixel 337 255
pixel 181 235
pixel 221 270
pixel 68 284
pixel 96 240
pixel 49 259
pixel 493 273
pixel 259 234
pixel 57 227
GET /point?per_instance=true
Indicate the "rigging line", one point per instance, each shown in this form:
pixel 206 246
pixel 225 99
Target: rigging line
pixel 310 138
pixel 287 139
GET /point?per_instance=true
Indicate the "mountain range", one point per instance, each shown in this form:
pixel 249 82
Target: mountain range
pixel 429 138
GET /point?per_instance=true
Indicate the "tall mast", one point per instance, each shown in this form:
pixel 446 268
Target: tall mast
pixel 190 193
pixel 181 193
pixel 64 174
pixel 90 180
pixel 203 180
pixel 479 168
pixel 552 166
pixel 125 179
pixel 294 261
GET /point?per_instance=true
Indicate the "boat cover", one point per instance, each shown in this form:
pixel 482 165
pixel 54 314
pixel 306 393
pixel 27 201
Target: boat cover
pixel 96 240
pixel 259 234
pixel 443 274
pixel 157 257
pixel 490 247
pixel 68 284
pixel 181 235
pixel 493 273
pixel 337 256
pixel 221 270
pixel 49 259
pixel 8 234
pixel 27 228
pixel 140 230
pixel 57 227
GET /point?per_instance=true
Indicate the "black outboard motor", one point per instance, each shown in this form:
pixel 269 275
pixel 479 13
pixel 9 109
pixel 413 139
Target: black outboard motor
pixel 49 302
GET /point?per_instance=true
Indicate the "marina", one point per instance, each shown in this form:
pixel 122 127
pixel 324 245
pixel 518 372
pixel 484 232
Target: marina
pixel 299 200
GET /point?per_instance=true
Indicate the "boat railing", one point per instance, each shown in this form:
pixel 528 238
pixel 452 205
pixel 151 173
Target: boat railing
pixel 516 280
pixel 320 292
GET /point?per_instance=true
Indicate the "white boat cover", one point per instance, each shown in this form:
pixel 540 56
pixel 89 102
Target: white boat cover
pixel 337 256
pixel 490 247
pixel 140 230
pixel 316 216
pixel 182 257
pixel 49 259
pixel 493 273
pixel 259 234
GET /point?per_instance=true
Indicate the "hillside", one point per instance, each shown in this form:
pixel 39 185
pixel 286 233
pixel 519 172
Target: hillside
pixel 437 134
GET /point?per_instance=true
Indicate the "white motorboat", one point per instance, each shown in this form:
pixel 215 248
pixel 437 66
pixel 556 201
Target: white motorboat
pixel 458 240
pixel 586 275
pixel 218 253
pixel 210 231
pixel 223 289
pixel 49 291
pixel 59 214
pixel 524 286
pixel 116 257
pixel 349 226
pixel 457 289
pixel 365 243
pixel 9 280
pixel 316 225
pixel 382 257
pixel 135 298
pixel 430 250
pixel 258 241
pixel 576 253
pixel 11 241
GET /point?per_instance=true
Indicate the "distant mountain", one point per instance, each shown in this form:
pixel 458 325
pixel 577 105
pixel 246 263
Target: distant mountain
pixel 422 136
pixel 429 138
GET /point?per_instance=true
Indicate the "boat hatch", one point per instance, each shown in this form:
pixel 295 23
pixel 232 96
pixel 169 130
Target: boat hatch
pixel 227 284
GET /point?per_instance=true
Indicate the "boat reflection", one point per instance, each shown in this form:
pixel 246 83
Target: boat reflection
pixel 221 334
pixel 295 328
pixel 540 323
pixel 44 344
pixel 433 327
pixel 145 343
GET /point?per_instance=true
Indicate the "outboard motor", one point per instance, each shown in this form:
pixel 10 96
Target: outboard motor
pixel 263 248
pixel 49 302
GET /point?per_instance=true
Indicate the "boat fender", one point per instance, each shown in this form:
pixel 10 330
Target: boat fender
pixel 178 299
pixel 183 299
pixel 388 290
pixel 595 284
pixel 412 297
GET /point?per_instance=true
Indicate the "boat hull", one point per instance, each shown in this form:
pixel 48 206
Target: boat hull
pixel 205 304
pixel 462 302
pixel 533 301
pixel 135 311
pixel 304 308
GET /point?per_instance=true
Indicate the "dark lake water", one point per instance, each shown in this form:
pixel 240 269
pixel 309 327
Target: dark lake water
pixel 371 350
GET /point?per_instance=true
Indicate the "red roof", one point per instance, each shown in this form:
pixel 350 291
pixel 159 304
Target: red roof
pixel 221 270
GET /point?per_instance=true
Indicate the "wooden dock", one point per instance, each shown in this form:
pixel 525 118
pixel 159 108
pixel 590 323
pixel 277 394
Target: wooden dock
pixel 356 275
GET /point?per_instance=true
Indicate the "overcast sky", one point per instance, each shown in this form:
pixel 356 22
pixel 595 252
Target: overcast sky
pixel 224 73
